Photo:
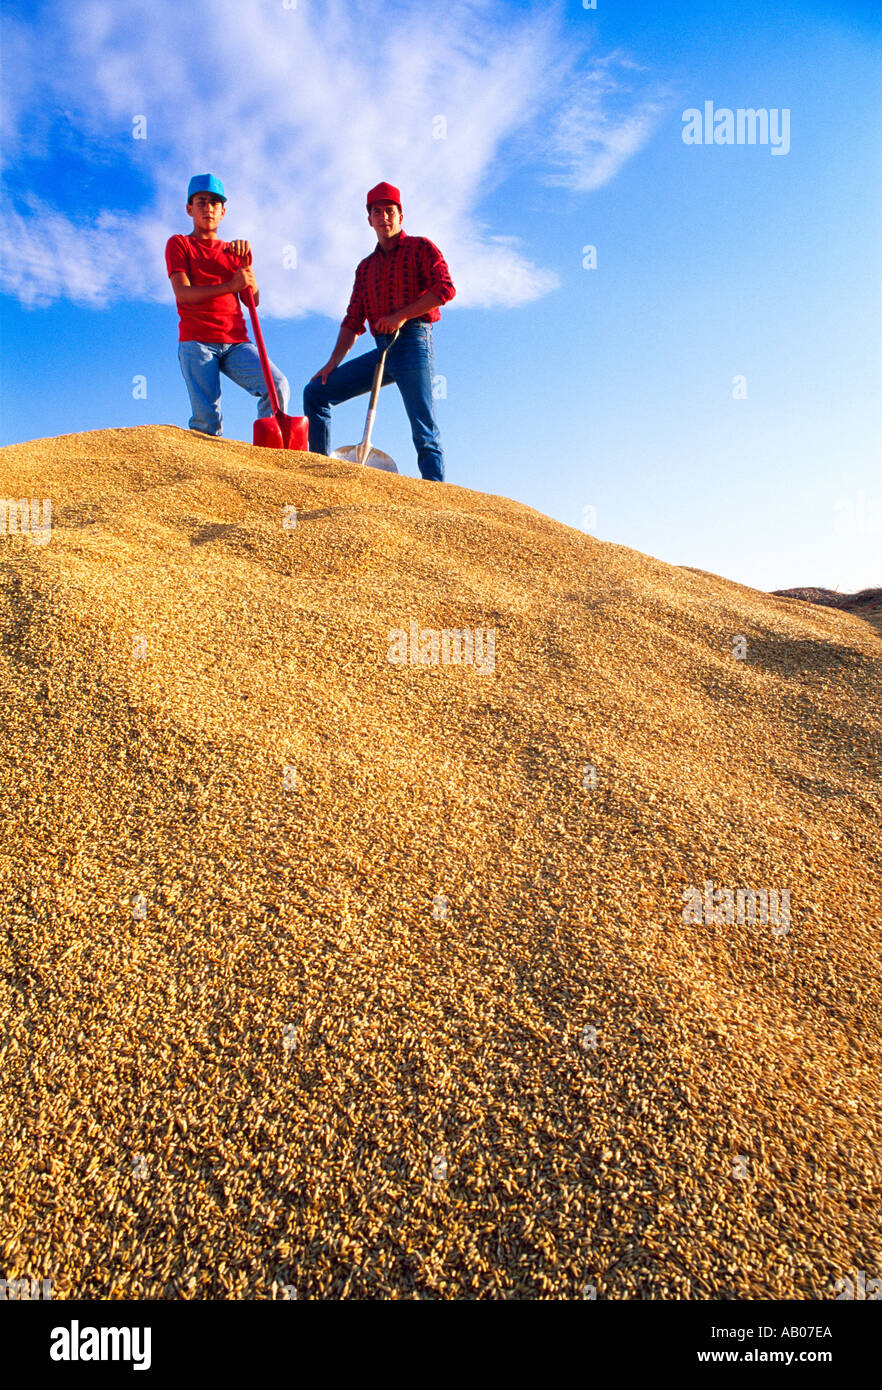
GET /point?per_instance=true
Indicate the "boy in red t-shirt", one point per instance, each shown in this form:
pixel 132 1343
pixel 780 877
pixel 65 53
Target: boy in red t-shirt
pixel 207 279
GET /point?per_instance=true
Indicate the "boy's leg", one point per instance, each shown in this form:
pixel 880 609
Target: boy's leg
pixel 346 381
pixel 411 364
pixel 199 364
pixel 241 363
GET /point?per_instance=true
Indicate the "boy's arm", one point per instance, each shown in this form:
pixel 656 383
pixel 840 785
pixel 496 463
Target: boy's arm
pixel 185 293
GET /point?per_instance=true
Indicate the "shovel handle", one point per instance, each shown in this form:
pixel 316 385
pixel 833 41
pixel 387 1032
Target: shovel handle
pixel 378 374
pixel 364 447
pixel 248 296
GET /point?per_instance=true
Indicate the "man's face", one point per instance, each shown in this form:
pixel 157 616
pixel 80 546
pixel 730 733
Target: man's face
pixel 206 210
pixel 385 218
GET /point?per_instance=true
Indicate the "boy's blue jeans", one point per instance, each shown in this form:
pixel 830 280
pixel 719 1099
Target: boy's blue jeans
pixel 410 364
pixel 202 364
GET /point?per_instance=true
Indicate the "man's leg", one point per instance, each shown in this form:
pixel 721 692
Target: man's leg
pixel 349 379
pixel 199 364
pixel 241 363
pixel 410 364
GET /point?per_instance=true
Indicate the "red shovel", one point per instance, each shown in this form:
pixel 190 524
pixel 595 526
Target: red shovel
pixel 279 431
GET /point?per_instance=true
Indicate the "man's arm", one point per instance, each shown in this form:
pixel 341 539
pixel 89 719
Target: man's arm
pixel 350 329
pixel 185 293
pixel 433 271
pixel 345 339
pixel 392 322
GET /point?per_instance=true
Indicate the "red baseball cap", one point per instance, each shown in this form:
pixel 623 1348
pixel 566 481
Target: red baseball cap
pixel 384 193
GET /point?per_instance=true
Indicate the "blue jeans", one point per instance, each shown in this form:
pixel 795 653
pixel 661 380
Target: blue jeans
pixel 202 364
pixel 409 364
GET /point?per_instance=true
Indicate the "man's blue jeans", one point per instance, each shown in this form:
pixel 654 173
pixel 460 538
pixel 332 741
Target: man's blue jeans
pixel 410 365
pixel 202 364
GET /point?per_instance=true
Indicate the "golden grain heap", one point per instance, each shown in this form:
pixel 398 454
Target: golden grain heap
pixel 327 976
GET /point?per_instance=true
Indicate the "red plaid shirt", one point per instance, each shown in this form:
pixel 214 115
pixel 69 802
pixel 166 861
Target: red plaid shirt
pixel 386 281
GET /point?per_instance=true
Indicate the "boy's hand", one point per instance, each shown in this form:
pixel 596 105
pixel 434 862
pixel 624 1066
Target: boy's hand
pixel 241 250
pixel 243 279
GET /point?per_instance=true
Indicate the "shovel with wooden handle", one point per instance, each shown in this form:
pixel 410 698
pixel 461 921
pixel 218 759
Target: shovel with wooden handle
pixel 363 453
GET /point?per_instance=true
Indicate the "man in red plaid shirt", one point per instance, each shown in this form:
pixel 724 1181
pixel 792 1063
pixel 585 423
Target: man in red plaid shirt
pixel 399 287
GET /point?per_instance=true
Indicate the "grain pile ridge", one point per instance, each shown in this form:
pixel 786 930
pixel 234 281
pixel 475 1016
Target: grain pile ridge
pixel 327 975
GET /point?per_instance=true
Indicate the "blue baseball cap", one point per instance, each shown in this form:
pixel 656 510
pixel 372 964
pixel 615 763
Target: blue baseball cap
pixel 205 183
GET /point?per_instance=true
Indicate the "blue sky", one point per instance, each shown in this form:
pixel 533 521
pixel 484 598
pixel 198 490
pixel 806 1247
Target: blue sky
pixel 610 398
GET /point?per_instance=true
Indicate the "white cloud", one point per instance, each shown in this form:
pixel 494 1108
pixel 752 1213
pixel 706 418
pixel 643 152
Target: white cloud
pixel 51 258
pixel 300 110
pixel 601 126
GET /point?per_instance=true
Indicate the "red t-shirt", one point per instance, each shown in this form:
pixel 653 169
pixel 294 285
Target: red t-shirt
pixel 217 320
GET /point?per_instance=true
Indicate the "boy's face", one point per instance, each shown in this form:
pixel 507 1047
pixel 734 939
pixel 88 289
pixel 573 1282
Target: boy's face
pixel 207 211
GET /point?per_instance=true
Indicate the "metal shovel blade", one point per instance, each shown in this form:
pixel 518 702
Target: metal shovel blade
pixel 363 453
pixel 375 458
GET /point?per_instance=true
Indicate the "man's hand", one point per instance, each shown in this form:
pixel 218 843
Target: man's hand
pixel 243 279
pixel 392 322
pixel 325 371
pixel 424 305
pixel 241 250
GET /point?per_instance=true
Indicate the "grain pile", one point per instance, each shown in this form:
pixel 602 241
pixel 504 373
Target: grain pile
pixel 867 604
pixel 325 976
